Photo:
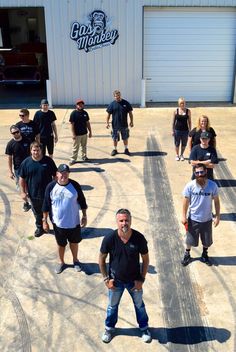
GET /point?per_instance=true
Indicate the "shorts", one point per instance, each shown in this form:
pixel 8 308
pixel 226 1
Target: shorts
pixel 67 235
pixel 199 229
pixel 49 143
pixel 181 136
pixel 124 131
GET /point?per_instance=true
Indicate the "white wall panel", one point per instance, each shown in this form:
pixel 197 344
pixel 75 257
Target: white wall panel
pixel 194 58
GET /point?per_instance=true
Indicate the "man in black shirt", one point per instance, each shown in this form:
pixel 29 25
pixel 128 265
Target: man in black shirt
pixel 124 247
pixel 17 149
pixel 45 121
pixel 119 109
pixel 27 127
pixel 36 172
pixel 204 154
pixel 80 126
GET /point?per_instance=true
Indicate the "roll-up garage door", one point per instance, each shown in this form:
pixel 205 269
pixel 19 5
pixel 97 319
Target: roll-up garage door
pixel 189 52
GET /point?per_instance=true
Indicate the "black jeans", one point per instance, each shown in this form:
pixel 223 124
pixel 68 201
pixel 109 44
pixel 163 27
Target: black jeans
pixel 37 205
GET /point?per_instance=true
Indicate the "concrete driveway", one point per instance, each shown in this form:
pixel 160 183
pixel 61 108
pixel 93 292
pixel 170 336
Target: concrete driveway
pixel 190 309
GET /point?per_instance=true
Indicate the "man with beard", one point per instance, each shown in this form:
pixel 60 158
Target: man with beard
pixel 198 196
pixel 63 201
pixel 36 172
pixel 124 247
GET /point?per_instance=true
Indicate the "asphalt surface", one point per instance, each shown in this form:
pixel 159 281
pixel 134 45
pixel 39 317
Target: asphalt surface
pixel 190 309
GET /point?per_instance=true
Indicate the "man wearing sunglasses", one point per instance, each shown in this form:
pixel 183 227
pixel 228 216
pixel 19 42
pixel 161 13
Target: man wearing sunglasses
pixel 27 127
pixel 17 149
pixel 198 196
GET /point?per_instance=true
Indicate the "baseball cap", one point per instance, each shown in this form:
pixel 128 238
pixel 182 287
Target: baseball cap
pixel 205 135
pixel 63 168
pixel 44 101
pixel 79 101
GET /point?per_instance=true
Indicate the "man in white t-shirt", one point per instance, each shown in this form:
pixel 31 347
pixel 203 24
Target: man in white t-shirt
pixel 198 196
pixel 63 201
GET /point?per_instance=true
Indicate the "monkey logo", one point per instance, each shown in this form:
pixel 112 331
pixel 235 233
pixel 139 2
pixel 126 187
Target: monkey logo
pixel 98 21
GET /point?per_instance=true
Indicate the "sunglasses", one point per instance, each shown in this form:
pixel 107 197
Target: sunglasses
pixel 200 172
pixel 21 115
pixel 15 132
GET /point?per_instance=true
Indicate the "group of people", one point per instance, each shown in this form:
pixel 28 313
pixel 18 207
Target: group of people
pixel 52 194
pixel 202 190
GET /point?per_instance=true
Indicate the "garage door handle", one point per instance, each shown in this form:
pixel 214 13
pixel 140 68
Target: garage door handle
pixel 148 79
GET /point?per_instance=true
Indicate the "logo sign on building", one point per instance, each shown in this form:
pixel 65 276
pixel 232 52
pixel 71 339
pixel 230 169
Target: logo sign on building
pixel 95 34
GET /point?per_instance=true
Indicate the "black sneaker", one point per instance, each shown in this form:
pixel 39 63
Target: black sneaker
pixel 127 151
pixel 59 268
pixel 26 206
pixel 186 260
pixel 205 259
pixel 38 232
pixel 114 152
pixel 85 158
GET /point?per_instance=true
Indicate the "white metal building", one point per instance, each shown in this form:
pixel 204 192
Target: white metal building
pixel 153 51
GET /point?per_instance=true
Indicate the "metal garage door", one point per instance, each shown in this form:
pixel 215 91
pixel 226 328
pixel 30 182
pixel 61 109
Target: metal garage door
pixel 189 52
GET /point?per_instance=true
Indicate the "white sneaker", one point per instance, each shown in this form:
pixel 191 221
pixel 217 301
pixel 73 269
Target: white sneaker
pixel 107 336
pixel 146 336
pixel 177 158
pixel 182 158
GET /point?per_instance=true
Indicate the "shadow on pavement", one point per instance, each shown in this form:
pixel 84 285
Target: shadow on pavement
pixel 228 217
pixel 186 335
pixel 225 183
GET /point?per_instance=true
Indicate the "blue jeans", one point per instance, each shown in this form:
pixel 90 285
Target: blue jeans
pixel 114 300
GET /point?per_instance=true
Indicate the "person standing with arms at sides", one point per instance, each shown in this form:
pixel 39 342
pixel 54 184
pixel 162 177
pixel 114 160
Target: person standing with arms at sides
pixel 204 154
pixel 17 150
pixel 119 109
pixel 198 196
pixel 36 172
pixel 180 128
pixel 27 127
pixel 63 201
pixel 203 125
pixel 124 246
pixel 80 126
pixel 45 121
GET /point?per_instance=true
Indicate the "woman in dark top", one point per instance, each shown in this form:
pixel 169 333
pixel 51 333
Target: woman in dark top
pixel 180 128
pixel 203 125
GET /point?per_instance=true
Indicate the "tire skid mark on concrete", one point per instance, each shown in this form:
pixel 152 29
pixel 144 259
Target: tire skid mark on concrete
pixel 176 289
pixel 228 198
pixel 6 211
pixel 227 189
pixel 21 318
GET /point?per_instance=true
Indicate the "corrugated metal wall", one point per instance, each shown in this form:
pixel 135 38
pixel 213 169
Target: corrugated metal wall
pixel 94 75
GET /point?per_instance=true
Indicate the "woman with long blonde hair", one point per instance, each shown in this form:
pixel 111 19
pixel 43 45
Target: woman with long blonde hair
pixel 203 125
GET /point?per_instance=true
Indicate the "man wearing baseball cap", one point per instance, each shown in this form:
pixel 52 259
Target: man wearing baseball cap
pixel 81 129
pixel 62 203
pixel 204 154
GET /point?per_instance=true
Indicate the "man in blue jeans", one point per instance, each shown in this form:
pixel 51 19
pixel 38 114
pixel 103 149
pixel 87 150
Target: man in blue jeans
pixel 124 247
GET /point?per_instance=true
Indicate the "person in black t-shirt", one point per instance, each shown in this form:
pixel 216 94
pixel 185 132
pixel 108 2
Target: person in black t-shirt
pixel 204 154
pixel 203 125
pixel 119 109
pixel 124 247
pixel 17 149
pixel 45 120
pixel 180 128
pixel 36 172
pixel 27 127
pixel 80 126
